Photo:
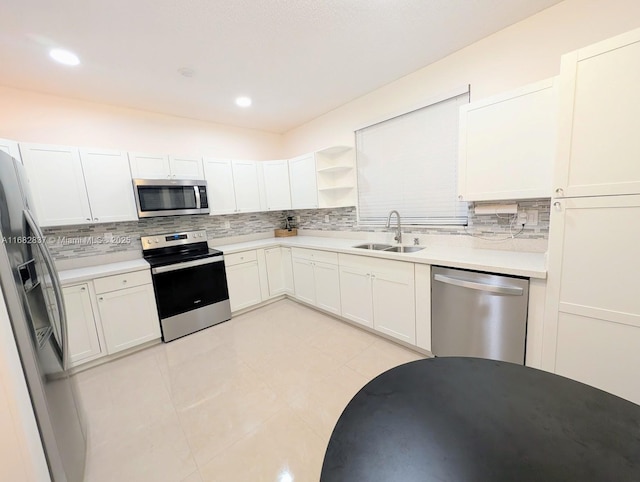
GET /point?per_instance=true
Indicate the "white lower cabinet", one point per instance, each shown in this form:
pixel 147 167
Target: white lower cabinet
pixel 129 317
pixel 128 312
pixel 380 294
pixel 287 271
pixel 316 278
pixel 303 280
pixel 356 294
pixel 243 279
pixel 279 271
pixel 327 281
pixel 423 306
pixel 110 314
pixel 85 339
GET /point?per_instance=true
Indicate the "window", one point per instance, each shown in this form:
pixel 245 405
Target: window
pixel 410 163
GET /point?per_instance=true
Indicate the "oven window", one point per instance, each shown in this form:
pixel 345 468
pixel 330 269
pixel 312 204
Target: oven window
pixel 187 289
pixel 164 198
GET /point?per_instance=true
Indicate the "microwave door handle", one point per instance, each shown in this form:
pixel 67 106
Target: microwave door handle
pixel 197 191
pixel 57 291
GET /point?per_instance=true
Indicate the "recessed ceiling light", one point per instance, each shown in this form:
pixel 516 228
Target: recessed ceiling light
pixel 64 57
pixel 243 101
pixel 187 72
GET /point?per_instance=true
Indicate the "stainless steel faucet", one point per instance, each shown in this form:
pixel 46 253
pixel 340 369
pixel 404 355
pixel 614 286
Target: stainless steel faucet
pixel 398 236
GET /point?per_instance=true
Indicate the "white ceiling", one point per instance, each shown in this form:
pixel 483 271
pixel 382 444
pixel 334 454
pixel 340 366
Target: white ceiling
pixel 297 59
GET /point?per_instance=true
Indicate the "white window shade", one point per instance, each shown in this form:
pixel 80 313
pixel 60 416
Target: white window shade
pixel 410 163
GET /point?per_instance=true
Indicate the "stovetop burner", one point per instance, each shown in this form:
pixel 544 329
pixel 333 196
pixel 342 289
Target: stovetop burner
pixel 166 249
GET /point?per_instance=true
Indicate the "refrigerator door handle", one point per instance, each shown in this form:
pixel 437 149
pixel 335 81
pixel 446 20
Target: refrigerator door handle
pixel 57 290
pixel 501 290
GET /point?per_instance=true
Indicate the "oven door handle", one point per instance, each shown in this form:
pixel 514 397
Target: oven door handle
pixel 186 264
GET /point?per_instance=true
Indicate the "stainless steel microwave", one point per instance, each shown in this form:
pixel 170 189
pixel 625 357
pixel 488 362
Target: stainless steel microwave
pixel 170 197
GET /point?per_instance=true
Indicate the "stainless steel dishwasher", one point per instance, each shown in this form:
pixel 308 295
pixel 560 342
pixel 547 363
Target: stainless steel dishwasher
pixel 478 314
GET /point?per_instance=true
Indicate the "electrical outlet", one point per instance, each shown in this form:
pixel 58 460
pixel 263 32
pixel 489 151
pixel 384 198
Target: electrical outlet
pixel 522 217
pixel 532 217
pixel 298 219
pixel 326 218
pixel 227 225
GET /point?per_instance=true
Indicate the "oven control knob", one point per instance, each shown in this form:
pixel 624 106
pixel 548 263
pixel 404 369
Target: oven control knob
pixel 156 240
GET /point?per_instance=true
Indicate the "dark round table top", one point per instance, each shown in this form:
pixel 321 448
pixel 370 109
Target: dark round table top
pixel 467 419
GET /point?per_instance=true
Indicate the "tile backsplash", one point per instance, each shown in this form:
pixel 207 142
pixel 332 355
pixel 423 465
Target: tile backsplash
pixel 345 219
pixel 69 242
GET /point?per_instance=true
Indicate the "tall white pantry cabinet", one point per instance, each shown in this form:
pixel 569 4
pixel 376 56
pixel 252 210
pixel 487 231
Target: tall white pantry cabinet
pixel 592 318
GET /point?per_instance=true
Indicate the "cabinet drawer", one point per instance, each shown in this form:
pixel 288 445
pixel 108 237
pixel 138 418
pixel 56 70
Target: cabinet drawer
pixel 120 281
pixel 314 255
pixel 238 258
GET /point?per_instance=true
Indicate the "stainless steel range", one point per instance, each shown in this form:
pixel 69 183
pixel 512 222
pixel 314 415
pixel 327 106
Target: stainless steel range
pixel 189 280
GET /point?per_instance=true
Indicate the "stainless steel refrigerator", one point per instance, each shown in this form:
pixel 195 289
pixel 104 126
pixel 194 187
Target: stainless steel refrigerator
pixel 34 301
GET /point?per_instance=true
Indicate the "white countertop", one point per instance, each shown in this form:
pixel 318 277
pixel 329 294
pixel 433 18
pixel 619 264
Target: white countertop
pixel 532 265
pixel 78 275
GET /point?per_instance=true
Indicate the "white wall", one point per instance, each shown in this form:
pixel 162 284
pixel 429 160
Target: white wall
pixel 34 117
pixel 523 53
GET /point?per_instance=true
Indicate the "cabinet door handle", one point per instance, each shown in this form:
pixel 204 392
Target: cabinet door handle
pixel 124 281
pixel 88 219
pixel 83 288
pixel 560 191
pixel 460 197
pixel 95 219
pixel 101 299
pixel 557 205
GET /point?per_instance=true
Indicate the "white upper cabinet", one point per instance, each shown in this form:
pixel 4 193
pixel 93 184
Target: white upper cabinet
pixel 109 187
pixel 275 175
pixel 186 167
pixel 57 184
pixel 507 144
pixel 11 148
pixel 220 189
pixel 304 185
pixel 247 186
pixel 599 145
pixel 149 166
pixel 96 185
pixel 157 166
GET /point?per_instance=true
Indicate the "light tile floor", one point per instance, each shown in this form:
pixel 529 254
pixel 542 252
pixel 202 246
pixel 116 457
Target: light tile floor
pixel 252 399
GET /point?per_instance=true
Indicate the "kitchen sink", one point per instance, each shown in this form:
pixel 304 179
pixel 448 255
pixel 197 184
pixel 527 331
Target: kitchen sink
pixel 404 249
pixel 375 246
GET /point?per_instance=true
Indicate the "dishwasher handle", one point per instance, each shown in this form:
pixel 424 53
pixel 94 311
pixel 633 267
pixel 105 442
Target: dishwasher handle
pixel 501 290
